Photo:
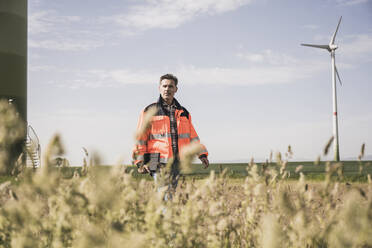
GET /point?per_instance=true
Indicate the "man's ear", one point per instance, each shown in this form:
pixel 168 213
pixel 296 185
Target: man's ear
pixel 176 89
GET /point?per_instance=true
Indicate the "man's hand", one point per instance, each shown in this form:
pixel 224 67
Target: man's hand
pixel 143 169
pixel 205 162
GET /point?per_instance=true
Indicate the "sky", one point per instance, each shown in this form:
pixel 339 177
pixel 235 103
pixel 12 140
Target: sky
pixel 250 87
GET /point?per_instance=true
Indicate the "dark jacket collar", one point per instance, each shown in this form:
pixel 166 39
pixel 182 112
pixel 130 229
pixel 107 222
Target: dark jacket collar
pixel 160 103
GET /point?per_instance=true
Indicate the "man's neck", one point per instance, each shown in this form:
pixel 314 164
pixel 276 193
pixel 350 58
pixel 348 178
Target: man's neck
pixel 169 102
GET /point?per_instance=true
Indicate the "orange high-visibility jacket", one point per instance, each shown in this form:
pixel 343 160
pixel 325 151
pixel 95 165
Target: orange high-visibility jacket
pixel 155 143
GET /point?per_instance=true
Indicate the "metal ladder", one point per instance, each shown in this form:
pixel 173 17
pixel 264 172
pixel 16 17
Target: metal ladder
pixel 33 148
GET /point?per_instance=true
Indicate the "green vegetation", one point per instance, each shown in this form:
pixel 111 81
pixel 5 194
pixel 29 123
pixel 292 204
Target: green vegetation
pixel 352 170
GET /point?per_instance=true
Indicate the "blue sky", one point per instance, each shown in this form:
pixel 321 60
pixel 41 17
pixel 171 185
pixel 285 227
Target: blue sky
pixel 249 85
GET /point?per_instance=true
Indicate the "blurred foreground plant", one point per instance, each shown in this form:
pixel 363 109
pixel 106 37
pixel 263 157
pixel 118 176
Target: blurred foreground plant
pixel 110 208
pixel 12 135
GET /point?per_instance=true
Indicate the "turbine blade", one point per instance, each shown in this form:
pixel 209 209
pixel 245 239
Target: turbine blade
pixel 318 46
pixel 334 35
pixel 338 76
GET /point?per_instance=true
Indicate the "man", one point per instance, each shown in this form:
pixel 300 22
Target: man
pixel 170 130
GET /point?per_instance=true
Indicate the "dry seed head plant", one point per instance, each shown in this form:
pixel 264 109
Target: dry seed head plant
pixel 12 131
pixel 188 154
pixel 328 145
pixel 111 208
pixel 146 122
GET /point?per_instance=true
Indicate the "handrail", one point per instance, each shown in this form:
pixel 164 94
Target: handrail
pixel 33 142
pixel 33 131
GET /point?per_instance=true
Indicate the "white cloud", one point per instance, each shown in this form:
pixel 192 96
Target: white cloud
pixel 65 45
pixel 50 21
pixel 268 57
pixel 248 75
pixel 253 74
pixel 323 39
pixel 172 13
pixel 239 76
pixel 351 2
pixel 311 26
pixel 116 77
pixel 357 46
pixel 34 3
pixel 37 68
pixel 37 23
pixel 51 31
pixel 130 77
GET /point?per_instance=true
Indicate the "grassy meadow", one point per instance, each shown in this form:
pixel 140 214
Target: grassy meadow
pixel 354 171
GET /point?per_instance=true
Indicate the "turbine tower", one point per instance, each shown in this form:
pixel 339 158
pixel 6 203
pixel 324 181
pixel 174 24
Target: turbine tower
pixel 331 47
pixel 13 61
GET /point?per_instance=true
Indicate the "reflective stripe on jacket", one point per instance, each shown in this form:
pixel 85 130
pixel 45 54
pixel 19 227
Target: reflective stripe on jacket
pixel 155 143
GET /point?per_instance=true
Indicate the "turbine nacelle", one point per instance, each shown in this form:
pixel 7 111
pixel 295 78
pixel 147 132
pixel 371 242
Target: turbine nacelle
pixel 332 47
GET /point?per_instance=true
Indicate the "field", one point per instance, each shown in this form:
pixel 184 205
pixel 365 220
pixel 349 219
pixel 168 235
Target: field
pixel 353 171
pixel 281 204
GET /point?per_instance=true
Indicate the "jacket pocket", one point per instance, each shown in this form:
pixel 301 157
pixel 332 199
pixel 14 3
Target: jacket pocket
pixel 152 159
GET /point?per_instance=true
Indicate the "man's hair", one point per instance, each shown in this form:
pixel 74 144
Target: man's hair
pixel 169 77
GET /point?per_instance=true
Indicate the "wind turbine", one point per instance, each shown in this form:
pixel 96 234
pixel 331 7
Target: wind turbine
pixel 331 47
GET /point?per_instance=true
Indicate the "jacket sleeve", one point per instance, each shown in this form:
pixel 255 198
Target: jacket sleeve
pixel 195 138
pixel 140 147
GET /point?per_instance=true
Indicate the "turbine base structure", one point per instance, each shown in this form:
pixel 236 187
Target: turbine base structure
pixel 13 60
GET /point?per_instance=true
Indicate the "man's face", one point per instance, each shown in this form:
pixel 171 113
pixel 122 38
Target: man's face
pixel 167 89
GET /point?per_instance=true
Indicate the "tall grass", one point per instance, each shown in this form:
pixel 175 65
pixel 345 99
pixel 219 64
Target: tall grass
pixel 109 208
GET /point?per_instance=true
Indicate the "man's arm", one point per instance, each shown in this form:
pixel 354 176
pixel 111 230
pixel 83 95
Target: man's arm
pixel 203 155
pixel 140 148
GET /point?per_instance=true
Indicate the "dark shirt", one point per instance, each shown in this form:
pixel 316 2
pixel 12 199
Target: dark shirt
pixel 173 126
